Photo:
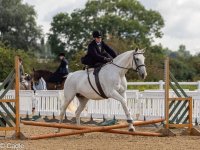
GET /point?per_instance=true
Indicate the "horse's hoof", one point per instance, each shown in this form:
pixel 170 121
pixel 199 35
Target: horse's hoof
pixel 132 129
pixel 57 131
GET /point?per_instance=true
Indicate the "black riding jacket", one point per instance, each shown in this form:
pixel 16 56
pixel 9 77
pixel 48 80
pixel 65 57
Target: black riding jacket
pixel 96 53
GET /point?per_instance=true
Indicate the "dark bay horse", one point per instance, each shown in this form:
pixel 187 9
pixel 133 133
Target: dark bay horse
pixel 37 74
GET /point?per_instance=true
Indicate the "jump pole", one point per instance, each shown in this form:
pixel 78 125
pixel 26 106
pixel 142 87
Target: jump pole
pixel 79 127
pixel 83 129
pixel 75 132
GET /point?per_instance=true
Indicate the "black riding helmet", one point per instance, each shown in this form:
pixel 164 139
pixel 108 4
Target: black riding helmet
pixel 61 54
pixel 96 34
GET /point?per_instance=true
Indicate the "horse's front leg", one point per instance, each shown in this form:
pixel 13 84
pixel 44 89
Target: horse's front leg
pixel 122 98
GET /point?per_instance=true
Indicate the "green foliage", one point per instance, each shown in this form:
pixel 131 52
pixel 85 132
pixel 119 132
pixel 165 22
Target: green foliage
pixel 7 56
pixel 154 63
pixel 155 56
pixel 125 25
pixel 49 65
pixel 182 71
pixel 121 45
pixel 75 61
pixel 183 65
pixel 195 64
pixel 18 27
pixel 123 19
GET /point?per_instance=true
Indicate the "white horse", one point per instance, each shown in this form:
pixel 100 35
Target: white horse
pixel 112 79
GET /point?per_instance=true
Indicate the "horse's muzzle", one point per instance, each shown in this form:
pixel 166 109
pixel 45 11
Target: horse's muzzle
pixel 143 75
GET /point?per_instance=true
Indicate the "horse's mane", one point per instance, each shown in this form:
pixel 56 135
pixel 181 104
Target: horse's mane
pixel 127 53
pixel 43 73
pixel 122 55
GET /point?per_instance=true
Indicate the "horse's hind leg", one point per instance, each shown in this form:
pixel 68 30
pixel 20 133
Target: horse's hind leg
pixel 82 103
pixel 66 103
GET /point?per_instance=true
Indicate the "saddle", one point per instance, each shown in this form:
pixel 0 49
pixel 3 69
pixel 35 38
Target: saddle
pixel 99 90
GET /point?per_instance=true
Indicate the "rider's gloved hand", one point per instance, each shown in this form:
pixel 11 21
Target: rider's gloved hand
pixel 107 59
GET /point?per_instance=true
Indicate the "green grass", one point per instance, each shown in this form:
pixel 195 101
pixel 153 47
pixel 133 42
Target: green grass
pixel 190 87
pixel 143 87
pixel 156 87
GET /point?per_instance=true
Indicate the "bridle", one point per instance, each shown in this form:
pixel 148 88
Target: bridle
pixel 135 61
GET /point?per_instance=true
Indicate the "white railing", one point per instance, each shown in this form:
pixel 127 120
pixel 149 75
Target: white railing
pixel 161 84
pixel 149 104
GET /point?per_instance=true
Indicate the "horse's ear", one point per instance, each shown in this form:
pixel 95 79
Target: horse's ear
pixel 143 50
pixel 136 49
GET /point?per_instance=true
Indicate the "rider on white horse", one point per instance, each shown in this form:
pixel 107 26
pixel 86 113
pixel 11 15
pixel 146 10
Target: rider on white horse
pixel 98 53
pixel 112 79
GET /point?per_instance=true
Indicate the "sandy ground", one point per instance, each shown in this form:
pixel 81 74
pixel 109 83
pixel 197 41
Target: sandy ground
pixel 100 141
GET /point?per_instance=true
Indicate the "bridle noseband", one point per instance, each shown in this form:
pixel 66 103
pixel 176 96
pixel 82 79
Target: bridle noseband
pixel 137 66
pixel 134 59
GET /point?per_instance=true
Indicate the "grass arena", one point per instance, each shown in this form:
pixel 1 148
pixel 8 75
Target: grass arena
pixel 174 132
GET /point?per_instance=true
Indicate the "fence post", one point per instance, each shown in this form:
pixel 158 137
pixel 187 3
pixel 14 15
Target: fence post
pixel 17 86
pixel 166 76
pixel 198 85
pixel 161 84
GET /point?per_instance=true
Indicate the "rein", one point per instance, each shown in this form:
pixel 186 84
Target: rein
pixel 119 66
pixel 137 66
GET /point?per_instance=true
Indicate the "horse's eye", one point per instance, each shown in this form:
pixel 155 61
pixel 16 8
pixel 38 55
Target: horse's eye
pixel 137 59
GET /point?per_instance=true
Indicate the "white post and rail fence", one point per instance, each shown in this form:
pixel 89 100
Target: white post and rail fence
pixel 147 104
pixel 161 84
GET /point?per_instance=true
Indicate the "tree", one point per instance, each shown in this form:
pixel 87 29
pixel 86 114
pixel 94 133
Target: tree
pixel 122 19
pixel 18 27
pixel 181 70
pixel 30 61
pixel 182 52
pixel 7 56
